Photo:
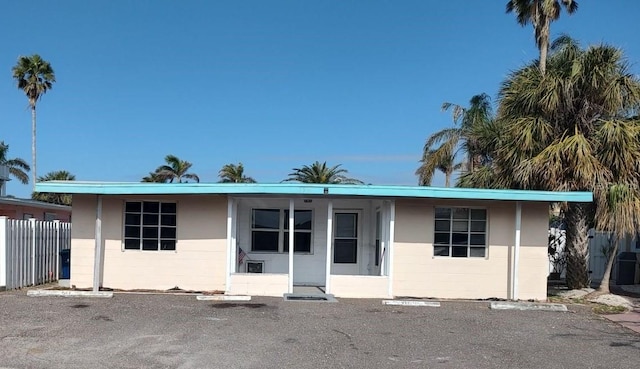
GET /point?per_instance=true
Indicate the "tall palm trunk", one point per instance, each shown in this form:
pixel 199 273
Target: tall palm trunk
pixel 544 45
pixel 33 146
pixel 447 179
pixel 606 278
pixel 577 246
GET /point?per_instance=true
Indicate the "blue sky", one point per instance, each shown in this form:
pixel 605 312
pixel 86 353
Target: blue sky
pixel 272 84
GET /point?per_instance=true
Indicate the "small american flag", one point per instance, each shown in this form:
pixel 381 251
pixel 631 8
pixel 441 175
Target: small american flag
pixel 241 255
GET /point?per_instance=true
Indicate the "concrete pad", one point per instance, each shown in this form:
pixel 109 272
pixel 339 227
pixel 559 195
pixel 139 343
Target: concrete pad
pixel 506 305
pixel 629 320
pixel 411 303
pixel 64 283
pixel 222 298
pixel 67 293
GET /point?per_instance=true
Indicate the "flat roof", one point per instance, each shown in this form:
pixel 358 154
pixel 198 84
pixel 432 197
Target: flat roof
pixel 305 189
pixel 34 203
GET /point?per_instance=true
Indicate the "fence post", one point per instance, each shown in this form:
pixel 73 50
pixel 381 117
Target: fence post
pixel 56 268
pixel 32 224
pixel 3 251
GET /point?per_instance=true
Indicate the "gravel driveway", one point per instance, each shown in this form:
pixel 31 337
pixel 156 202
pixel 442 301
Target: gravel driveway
pixel 165 331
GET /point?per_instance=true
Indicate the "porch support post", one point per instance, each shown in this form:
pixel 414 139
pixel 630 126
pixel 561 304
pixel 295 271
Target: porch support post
pixel 291 245
pixel 231 253
pixel 392 225
pixel 327 283
pixel 98 260
pixel 516 252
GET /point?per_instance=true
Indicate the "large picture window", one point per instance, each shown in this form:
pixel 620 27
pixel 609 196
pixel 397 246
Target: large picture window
pixel 460 232
pixel 270 230
pixel 149 225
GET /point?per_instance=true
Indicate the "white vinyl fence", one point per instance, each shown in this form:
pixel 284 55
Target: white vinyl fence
pixel 599 244
pixel 30 251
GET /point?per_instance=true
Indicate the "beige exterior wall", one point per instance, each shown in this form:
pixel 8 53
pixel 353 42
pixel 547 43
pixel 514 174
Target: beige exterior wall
pixel 359 286
pixel 416 272
pixel 199 262
pixel 259 284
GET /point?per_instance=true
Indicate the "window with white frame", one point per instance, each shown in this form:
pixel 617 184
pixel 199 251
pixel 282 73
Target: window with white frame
pixel 460 232
pixel 345 240
pixel 270 230
pixel 150 225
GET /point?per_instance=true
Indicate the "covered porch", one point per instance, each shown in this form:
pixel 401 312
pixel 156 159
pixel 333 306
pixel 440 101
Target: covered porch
pixel 342 246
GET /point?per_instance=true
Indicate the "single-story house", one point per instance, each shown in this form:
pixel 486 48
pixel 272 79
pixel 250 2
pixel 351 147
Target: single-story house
pixel 350 240
pixel 16 208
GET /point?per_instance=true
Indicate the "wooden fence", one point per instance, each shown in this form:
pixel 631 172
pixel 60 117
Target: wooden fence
pixel 30 251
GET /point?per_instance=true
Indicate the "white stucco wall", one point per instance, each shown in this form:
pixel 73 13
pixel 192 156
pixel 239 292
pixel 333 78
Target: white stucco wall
pixel 198 263
pixel 418 273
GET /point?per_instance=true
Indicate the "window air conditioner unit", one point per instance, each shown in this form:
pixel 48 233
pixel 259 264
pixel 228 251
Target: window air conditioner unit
pixel 254 266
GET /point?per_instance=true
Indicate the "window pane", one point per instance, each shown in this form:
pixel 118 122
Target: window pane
pixel 266 218
pixel 168 232
pixel 150 232
pixel 167 244
pixel 478 214
pixel 441 250
pixel 459 238
pixel 441 238
pixel 302 241
pixel 443 225
pixel 150 245
pixel 460 226
pixel 346 224
pixel 150 219
pixel 130 244
pixel 133 207
pixel 477 252
pixel 460 213
pixel 303 219
pixel 151 207
pixel 478 226
pixel 345 251
pixel 168 207
pixel 132 219
pixel 477 239
pixel 377 257
pixel 264 241
pixel 132 232
pixel 378 225
pixel 459 251
pixel 443 213
pixel 169 220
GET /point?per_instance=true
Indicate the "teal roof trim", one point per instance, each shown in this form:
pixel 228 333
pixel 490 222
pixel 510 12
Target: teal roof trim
pixel 137 188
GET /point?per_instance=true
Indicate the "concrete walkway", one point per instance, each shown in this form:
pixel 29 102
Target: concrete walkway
pixel 631 319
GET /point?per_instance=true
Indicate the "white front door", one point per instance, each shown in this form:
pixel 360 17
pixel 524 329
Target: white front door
pixel 346 242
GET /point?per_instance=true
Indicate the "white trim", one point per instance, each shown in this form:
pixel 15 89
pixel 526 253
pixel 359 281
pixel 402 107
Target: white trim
pixel 392 224
pixel 516 253
pixel 327 283
pixel 231 255
pixel 3 251
pixel 291 244
pixel 32 222
pixel 98 260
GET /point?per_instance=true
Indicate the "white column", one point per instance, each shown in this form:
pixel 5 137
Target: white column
pixel 3 251
pixel 516 253
pixel 56 267
pixel 291 246
pixel 98 260
pixel 392 225
pixel 231 253
pixel 384 235
pixel 327 283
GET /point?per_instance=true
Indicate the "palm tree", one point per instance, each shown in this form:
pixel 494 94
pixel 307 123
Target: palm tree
pixel 442 147
pixel 321 173
pixel 17 167
pixel 540 13
pixel 574 129
pixel 35 77
pixel 55 198
pixel 176 170
pixel 431 161
pixel 232 173
pixel 154 177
